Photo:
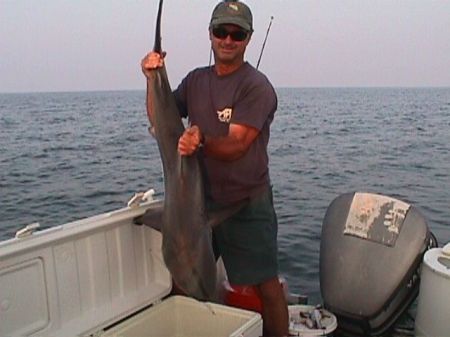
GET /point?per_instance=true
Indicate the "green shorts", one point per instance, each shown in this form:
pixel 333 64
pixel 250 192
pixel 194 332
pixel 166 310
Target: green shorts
pixel 247 242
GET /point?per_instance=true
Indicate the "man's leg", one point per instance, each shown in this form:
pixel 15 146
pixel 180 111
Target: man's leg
pixel 248 244
pixel 275 312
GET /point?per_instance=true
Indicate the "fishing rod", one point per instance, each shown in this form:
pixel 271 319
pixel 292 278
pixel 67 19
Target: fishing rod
pixel 264 43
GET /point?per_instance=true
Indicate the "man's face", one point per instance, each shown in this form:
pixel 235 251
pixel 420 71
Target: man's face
pixel 229 43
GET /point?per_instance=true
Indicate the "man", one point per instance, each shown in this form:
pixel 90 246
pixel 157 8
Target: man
pixel 230 107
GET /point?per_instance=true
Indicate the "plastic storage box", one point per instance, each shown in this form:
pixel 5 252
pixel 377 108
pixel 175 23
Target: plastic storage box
pixel 180 316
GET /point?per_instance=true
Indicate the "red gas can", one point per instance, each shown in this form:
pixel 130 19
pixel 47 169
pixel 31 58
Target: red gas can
pixel 245 296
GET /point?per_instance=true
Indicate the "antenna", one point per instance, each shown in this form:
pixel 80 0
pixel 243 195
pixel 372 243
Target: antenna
pixel 264 43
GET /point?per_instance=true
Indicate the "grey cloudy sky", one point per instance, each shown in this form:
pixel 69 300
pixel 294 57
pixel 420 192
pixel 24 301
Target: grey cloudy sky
pixel 66 45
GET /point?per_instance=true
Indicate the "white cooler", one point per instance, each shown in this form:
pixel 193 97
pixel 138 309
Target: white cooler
pixel 82 278
pixel 180 316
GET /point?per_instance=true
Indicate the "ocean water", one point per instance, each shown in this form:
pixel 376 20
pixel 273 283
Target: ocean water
pixel 65 156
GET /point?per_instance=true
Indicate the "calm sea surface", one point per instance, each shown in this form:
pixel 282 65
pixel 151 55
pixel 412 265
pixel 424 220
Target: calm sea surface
pixel 65 156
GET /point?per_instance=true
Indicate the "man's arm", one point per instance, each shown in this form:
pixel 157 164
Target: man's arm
pixel 149 63
pixel 228 148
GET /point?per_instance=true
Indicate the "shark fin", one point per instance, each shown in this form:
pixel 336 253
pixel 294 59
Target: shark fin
pixel 152 217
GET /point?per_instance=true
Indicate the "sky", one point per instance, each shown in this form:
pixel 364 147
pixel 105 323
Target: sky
pixel 84 45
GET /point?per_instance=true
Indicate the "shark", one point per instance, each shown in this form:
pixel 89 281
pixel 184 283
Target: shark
pixel 182 217
pixel 186 232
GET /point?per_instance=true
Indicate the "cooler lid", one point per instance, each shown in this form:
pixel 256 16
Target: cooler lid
pixel 81 277
pixel 438 260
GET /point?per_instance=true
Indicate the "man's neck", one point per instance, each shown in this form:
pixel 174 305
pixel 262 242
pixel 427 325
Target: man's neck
pixel 225 69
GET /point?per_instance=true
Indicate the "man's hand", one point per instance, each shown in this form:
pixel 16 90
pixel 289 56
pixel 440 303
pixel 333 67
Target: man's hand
pixel 152 61
pixel 189 141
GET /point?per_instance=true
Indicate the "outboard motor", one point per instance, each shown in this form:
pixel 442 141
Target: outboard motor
pixel 370 255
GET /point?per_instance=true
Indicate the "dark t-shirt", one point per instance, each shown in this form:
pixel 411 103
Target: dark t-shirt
pixel 212 102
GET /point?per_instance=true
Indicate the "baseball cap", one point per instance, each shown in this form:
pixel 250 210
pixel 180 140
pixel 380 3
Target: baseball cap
pixel 232 12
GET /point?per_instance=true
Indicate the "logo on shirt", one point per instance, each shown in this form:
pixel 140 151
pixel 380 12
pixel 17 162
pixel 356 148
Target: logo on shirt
pixel 225 115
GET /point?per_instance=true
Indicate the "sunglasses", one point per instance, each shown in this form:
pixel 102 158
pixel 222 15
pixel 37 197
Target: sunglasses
pixel 236 35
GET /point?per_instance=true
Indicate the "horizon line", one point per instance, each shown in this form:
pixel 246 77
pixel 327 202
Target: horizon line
pixel 275 87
